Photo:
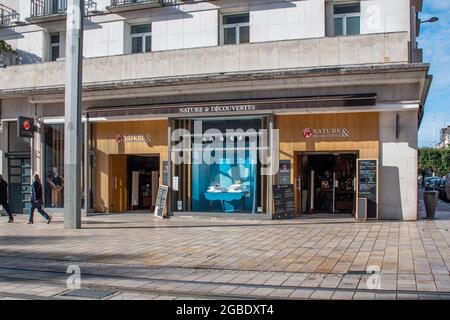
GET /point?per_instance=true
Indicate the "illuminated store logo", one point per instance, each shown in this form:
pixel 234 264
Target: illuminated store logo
pixel 309 133
pixel 130 138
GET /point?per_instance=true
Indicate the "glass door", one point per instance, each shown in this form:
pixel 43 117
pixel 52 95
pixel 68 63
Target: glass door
pixel 19 185
pixel 26 185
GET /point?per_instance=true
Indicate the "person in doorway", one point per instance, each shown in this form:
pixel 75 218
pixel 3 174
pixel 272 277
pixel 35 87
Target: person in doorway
pixel 37 200
pixel 4 198
pixel 325 185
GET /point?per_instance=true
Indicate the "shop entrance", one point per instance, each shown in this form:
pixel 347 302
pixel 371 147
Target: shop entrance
pixel 326 183
pixel 19 185
pixel 143 182
pixel 134 182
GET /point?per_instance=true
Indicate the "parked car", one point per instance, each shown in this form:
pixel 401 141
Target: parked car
pixel 441 189
pixel 446 189
pixel 431 183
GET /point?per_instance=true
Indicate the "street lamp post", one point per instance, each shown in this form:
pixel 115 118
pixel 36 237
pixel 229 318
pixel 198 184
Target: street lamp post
pixel 72 132
pixel 431 20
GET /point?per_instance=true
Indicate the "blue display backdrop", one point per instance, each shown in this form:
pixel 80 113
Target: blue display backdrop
pixel 228 185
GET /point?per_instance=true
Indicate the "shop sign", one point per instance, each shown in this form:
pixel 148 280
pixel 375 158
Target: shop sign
pixel 218 108
pixel 315 133
pixel 25 128
pixel 161 201
pixel 284 172
pixel 133 138
pixel 243 106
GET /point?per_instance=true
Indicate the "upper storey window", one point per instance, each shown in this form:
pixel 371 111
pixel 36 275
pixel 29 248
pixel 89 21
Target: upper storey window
pixel 236 28
pixel 141 38
pixel 55 46
pixel 347 19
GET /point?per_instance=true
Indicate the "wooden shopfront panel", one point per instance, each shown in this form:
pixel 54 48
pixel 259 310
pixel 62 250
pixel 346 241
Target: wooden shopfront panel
pixel 362 129
pixel 113 142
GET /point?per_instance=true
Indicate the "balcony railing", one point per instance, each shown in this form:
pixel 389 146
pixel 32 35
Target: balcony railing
pixel 120 5
pixel 40 8
pixel 7 16
pixel 47 10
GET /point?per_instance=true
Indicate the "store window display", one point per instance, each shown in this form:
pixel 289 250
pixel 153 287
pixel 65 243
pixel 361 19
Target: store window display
pixel 230 184
pixel 54 165
pixel 56 182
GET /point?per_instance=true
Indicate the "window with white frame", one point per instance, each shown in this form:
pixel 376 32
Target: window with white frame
pixel 141 38
pixel 54 47
pixel 235 28
pixel 347 19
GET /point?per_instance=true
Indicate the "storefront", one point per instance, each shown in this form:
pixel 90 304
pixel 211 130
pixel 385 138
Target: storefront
pixel 19 170
pixel 219 169
pixel 128 164
pixel 52 162
pixel 228 159
pixel 323 150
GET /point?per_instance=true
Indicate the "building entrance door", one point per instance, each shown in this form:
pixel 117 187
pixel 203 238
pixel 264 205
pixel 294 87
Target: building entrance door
pixel 326 183
pixel 143 182
pixel 117 183
pixel 19 185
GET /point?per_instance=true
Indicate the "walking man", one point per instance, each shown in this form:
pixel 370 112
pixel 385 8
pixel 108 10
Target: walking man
pixel 4 198
pixel 37 200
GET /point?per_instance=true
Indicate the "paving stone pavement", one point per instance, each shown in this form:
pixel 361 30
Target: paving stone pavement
pixel 137 256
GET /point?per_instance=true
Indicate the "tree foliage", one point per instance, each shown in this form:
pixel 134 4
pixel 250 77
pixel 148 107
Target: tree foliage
pixel 5 48
pixel 434 160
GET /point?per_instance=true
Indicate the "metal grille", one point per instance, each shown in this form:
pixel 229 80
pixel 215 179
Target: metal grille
pixel 128 2
pixel 7 15
pixel 88 294
pixel 47 7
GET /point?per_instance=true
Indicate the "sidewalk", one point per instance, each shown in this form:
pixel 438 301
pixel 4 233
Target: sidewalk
pixel 138 256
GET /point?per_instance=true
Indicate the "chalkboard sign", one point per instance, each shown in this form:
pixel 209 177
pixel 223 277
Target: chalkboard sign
pixel 367 186
pixel 161 201
pixel 284 201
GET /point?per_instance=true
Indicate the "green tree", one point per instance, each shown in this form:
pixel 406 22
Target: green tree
pixel 5 48
pixel 5 51
pixel 445 161
pixel 434 160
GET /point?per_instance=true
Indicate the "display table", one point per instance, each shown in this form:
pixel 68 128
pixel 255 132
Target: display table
pixel 225 198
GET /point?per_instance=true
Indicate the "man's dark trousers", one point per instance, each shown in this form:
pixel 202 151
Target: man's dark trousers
pixel 38 206
pixel 7 209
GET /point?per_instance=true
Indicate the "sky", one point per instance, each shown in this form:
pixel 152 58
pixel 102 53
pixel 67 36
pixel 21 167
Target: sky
pixel 435 40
